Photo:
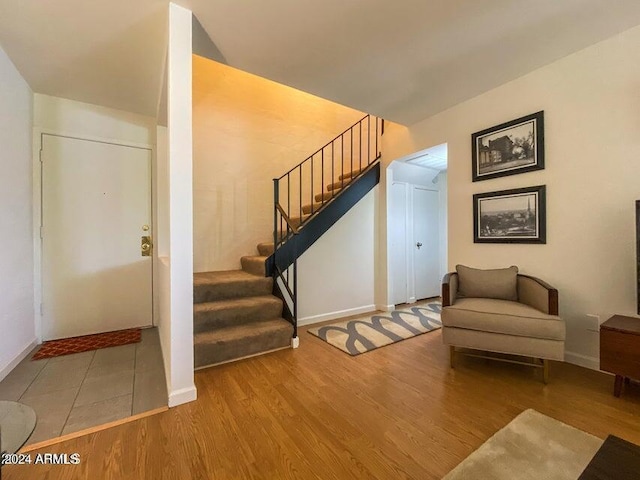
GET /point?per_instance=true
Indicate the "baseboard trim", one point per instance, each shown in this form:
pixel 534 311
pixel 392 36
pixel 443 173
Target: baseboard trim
pixel 184 395
pixel 386 308
pixel 203 367
pixel 21 356
pixel 333 315
pixel 582 360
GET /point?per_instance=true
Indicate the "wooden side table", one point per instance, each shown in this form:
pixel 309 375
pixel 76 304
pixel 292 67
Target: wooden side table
pixel 616 459
pixel 620 349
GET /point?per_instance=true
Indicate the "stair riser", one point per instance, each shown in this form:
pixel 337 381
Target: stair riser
pixel 265 249
pixel 326 196
pixel 296 221
pixel 340 184
pixel 350 174
pixel 223 291
pixel 254 267
pixel 306 209
pixel 223 351
pixel 204 321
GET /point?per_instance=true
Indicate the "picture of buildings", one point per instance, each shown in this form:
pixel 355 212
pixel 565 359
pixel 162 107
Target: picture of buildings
pixel 507 149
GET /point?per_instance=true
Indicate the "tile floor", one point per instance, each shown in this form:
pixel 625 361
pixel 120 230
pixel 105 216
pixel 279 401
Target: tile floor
pixel 79 391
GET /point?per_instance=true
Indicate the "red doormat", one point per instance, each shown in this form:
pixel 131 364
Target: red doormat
pixel 67 346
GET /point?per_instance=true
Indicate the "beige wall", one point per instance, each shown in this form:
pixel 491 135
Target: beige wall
pixel 246 131
pixel 591 101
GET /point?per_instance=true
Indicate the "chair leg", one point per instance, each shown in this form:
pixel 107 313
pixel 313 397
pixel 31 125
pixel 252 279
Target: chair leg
pixel 545 371
pixel 452 355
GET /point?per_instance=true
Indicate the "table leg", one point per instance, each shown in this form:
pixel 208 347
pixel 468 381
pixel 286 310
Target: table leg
pixel 617 386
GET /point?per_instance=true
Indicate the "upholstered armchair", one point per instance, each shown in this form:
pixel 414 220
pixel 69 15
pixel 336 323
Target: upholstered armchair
pixel 502 311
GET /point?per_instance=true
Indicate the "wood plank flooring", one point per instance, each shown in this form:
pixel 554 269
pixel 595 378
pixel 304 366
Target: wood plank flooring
pixel 316 413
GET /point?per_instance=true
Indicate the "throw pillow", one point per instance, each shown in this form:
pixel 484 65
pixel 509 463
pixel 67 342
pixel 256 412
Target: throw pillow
pixel 500 283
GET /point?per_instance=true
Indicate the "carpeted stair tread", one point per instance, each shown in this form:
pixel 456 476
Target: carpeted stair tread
pixel 316 207
pixel 254 264
pixel 351 174
pixel 265 249
pixel 239 341
pixel 340 184
pixel 235 311
pixel 326 195
pixel 296 221
pixel 211 286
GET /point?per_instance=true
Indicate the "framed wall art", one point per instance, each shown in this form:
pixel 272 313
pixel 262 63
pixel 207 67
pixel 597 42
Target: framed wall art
pixel 509 148
pixel 510 216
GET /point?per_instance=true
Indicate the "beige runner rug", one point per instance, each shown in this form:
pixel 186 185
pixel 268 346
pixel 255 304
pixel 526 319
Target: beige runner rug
pixel 531 447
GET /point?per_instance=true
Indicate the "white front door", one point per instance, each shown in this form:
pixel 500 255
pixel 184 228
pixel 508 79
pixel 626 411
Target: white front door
pixel 426 243
pixel 96 206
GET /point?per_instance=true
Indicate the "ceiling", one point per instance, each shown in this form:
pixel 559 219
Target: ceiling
pixel 108 53
pixel 402 60
pixel 434 157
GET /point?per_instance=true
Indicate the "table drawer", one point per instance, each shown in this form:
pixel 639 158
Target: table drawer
pixel 620 353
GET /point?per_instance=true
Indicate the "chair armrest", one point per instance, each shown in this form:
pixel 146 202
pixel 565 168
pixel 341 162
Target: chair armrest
pixel 537 294
pixel 449 289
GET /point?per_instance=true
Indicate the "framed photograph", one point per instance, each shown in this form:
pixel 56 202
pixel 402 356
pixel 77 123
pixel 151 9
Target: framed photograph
pixel 510 216
pixel 510 148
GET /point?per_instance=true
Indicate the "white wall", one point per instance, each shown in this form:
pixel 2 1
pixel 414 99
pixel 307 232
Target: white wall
pixel 179 264
pixel 85 120
pixel 591 105
pixel 246 131
pixel 444 241
pixel 336 275
pixel 413 174
pixel 16 234
pixel 161 261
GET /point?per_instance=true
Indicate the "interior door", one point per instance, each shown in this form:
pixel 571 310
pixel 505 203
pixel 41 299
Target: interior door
pixel 96 207
pixel 426 243
pixel 397 219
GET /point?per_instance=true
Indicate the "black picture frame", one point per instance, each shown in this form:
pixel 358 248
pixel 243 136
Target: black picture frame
pixel 511 216
pixel 509 148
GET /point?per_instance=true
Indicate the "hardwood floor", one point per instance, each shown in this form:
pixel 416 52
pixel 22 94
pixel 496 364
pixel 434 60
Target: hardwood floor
pixel 315 412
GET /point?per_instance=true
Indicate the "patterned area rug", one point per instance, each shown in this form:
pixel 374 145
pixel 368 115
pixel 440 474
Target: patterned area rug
pixel 367 333
pixel 67 346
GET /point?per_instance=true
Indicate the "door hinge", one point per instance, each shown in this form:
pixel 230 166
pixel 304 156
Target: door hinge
pixel 41 232
pixel 40 155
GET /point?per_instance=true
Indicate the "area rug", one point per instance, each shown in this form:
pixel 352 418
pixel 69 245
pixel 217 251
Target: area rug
pixel 67 346
pixel 369 332
pixel 531 447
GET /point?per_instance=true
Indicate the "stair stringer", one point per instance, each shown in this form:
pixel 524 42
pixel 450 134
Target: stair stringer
pixel 313 229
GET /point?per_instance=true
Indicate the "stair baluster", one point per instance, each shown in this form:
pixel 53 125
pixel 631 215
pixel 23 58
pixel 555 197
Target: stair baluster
pixel 288 244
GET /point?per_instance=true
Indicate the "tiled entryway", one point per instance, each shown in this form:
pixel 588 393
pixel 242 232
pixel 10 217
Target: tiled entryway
pixel 74 392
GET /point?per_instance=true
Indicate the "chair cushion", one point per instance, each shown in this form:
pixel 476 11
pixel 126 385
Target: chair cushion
pixel 499 283
pixel 502 316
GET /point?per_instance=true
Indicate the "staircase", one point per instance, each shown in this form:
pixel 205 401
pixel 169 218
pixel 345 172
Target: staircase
pixel 241 313
pixel 236 315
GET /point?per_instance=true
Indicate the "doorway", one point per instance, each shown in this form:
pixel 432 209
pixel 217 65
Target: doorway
pixel 96 213
pixel 417 227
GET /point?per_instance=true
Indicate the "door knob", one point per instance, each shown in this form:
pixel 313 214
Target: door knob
pixel 145 246
pixel 418 245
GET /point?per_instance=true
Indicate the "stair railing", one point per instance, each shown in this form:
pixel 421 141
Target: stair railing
pixel 299 193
